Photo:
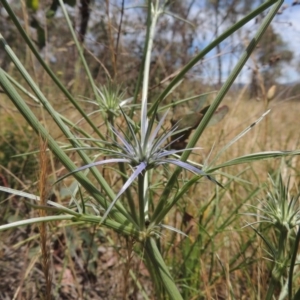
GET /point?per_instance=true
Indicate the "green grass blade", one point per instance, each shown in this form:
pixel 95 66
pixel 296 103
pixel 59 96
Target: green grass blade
pixel 161 269
pixel 35 221
pixel 254 157
pixel 79 49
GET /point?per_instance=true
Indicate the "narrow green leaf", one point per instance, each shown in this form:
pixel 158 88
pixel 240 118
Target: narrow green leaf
pixel 161 269
pixel 249 158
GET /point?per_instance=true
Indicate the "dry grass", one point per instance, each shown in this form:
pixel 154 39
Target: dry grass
pixel 90 263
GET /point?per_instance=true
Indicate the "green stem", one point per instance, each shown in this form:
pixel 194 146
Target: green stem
pixel 35 221
pixel 79 48
pixel 125 230
pixel 292 264
pixel 141 200
pixel 146 197
pixel 141 72
pixel 271 289
pixel 278 268
pixel 160 268
pixel 144 121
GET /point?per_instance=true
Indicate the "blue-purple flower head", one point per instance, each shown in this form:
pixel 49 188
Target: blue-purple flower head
pixel 143 155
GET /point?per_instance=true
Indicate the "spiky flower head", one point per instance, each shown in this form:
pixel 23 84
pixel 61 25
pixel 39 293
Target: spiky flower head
pixel 142 155
pixel 280 207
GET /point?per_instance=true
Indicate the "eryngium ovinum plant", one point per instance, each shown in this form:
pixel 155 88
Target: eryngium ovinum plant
pixel 278 213
pixel 136 150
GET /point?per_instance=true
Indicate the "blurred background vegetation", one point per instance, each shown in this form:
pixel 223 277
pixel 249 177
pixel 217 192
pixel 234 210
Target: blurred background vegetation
pixel 91 263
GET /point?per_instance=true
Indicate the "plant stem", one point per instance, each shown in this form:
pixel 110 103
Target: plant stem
pixel 292 264
pixel 146 197
pixel 144 120
pixel 159 267
pixel 278 264
pixel 141 200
